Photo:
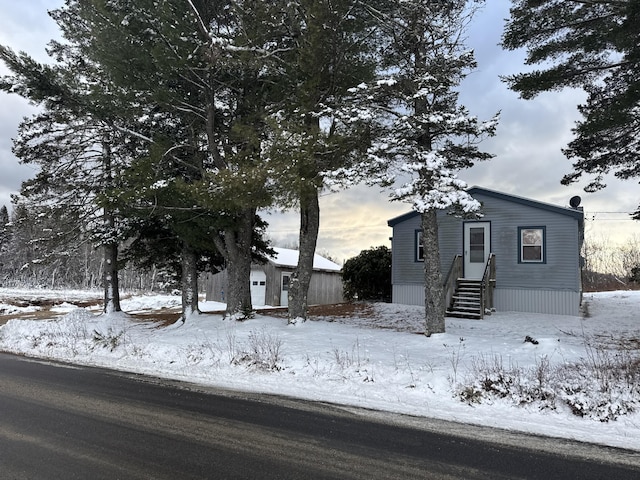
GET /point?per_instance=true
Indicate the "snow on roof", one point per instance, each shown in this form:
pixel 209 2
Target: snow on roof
pixel 285 257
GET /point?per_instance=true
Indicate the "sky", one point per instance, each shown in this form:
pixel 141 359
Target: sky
pixel 527 147
pixel 373 360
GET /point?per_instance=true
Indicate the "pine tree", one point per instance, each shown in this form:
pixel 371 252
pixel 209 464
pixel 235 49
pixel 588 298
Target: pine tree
pixel 4 229
pixel 203 72
pixel 328 48
pixel 593 46
pixel 422 135
pixel 5 239
pixel 74 143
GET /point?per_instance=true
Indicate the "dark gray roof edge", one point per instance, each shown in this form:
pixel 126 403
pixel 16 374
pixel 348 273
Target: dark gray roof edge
pixel 571 212
pixel 406 216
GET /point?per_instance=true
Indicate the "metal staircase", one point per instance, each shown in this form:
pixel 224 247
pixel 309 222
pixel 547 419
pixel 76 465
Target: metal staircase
pixel 466 301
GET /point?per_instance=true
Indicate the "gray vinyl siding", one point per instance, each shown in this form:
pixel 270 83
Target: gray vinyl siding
pixel 561 270
pixel 404 267
pixel 450 237
pixel 550 287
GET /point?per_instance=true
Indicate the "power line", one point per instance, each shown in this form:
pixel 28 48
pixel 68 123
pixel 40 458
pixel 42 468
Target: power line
pixel 628 213
pixel 330 228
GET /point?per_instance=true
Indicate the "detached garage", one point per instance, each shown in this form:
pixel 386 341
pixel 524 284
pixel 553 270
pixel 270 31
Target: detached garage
pixel 270 282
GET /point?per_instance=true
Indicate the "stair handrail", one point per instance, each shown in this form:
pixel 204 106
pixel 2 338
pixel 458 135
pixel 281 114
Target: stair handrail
pixel 487 284
pixel 449 286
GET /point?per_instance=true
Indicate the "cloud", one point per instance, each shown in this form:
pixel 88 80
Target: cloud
pixel 12 110
pixel 529 161
pixel 24 26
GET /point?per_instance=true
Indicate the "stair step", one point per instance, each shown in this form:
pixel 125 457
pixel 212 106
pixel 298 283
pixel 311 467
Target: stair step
pixel 467 308
pixel 465 301
pixel 473 308
pixel 467 297
pixel 459 314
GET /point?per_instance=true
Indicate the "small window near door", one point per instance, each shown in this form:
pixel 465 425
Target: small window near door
pixel 532 244
pixel 419 247
pixel 476 245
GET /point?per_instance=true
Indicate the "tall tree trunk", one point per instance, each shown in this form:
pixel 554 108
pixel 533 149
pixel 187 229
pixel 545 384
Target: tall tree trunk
pixel 433 289
pixel 237 250
pixel 111 287
pixel 111 284
pixel 301 277
pixel 189 283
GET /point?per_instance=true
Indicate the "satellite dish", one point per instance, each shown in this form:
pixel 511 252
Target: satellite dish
pixel 575 201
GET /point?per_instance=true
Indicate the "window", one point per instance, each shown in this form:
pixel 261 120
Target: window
pixel 476 245
pixel 532 244
pixel 286 277
pixel 419 247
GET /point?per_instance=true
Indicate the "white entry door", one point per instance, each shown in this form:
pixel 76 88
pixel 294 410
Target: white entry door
pixel 477 247
pixel 284 292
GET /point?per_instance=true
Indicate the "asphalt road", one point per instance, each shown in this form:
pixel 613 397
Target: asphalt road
pixel 64 422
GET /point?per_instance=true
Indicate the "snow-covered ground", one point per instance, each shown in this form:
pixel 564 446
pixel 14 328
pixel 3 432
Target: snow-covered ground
pixel 558 383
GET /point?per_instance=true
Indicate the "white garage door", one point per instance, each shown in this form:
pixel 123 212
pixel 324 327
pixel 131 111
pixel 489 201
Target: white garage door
pixel 258 288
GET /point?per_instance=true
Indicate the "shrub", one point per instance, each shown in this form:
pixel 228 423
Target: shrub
pixel 602 386
pixel 368 275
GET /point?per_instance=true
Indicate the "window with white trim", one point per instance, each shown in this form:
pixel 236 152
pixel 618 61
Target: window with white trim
pixel 532 244
pixel 419 247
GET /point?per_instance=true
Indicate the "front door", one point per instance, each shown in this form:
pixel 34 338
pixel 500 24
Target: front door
pixel 477 245
pixel 284 291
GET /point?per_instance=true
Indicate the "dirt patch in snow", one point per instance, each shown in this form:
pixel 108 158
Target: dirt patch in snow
pixel 326 312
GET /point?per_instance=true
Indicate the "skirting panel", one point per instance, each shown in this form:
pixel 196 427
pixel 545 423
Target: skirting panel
pixel 555 302
pixel 408 294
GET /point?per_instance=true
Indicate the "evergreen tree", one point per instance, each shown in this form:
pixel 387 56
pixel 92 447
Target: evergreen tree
pixel 368 275
pixel 4 227
pixel 19 251
pixel 49 247
pixel 74 142
pixel 421 133
pixel 203 72
pixel 328 48
pixel 5 238
pixel 594 46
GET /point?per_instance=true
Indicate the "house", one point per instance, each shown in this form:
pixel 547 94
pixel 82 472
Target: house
pixel 521 255
pixel 270 281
